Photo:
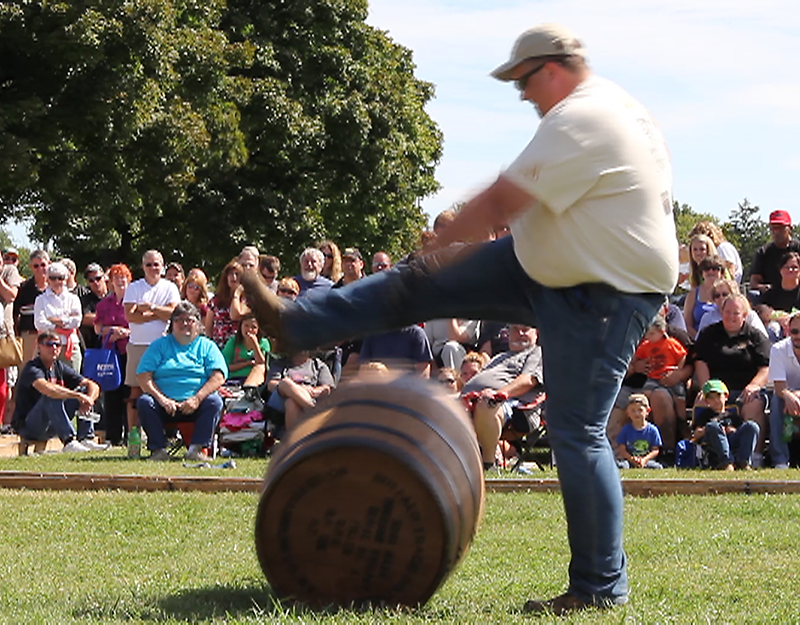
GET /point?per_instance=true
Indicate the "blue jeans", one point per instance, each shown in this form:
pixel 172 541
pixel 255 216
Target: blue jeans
pixel 53 417
pixel 778 448
pixel 153 417
pixel 736 447
pixel 588 334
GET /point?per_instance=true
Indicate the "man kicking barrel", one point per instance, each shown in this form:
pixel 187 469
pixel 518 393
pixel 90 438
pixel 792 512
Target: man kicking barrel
pixel 592 253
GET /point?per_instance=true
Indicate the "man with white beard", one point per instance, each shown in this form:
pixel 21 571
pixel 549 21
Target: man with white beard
pixel 310 278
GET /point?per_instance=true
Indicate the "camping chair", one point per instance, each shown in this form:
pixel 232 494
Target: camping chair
pixel 537 431
pixel 179 435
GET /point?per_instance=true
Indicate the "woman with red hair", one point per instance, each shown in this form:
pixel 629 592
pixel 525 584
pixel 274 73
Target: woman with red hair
pixel 112 328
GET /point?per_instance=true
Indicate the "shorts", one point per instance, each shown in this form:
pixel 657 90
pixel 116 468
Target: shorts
pixel 135 353
pixel 678 390
pixel 622 397
pixel 521 420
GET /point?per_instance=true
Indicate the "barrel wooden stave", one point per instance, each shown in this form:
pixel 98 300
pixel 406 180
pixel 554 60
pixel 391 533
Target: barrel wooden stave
pixel 376 497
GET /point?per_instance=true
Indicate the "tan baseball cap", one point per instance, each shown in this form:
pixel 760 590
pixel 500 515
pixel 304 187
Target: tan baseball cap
pixel 544 40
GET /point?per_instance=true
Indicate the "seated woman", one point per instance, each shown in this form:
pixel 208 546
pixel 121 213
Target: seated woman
pixel 699 300
pixel 472 364
pixel 219 324
pixel 450 379
pixel 246 355
pixel 179 375
pixel 450 338
pixel 722 290
pixel 296 384
pixel 785 298
pixel 736 353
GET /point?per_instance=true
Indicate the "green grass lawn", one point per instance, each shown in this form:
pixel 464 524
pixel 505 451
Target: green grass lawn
pixel 177 557
pixel 114 462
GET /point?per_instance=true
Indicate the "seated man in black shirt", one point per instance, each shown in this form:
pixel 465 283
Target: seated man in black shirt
pixel 734 352
pixel 49 393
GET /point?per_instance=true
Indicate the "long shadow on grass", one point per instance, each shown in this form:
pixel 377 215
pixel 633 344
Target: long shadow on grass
pixel 199 604
pixel 255 601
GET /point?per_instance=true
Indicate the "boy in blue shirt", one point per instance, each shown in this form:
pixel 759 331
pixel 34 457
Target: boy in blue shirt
pixel 639 441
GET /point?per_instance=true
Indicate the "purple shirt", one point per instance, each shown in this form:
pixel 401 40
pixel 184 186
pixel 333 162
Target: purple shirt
pixel 110 312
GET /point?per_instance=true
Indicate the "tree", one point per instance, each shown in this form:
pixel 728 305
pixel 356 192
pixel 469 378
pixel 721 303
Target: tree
pixel 747 232
pixel 686 218
pixel 340 146
pixel 107 111
pixel 196 128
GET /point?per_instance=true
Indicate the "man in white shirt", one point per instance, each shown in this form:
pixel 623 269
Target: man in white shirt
pixel 592 254
pixel 784 374
pixel 148 304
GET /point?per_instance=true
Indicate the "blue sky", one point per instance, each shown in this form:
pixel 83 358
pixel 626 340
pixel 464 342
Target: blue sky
pixel 719 77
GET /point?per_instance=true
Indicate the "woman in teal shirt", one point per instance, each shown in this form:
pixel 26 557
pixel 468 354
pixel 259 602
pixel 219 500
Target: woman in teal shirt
pixel 179 374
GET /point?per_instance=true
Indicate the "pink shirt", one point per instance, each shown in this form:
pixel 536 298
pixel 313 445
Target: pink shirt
pixel 112 313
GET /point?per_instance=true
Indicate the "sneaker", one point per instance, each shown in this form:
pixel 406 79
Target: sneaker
pixel 92 446
pixel 6 430
pixel 160 455
pixel 92 416
pixel 196 455
pixel 74 446
pixel 564 604
pixel 782 465
pixel 265 304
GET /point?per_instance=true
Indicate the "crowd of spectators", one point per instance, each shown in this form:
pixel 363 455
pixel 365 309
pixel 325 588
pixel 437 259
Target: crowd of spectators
pixel 179 341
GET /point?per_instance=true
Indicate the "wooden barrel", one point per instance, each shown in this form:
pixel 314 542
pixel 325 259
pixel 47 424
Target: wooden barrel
pixel 372 499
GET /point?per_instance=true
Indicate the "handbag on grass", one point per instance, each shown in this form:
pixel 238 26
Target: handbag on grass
pixel 10 349
pixel 101 364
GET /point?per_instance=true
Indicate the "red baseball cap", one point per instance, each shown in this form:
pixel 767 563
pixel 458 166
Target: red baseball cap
pixel 780 217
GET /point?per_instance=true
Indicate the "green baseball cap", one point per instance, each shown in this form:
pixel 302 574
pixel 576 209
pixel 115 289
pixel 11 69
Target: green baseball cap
pixel 715 386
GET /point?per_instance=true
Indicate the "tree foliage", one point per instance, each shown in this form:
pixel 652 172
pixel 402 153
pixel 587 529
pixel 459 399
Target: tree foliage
pixel 686 218
pixel 747 231
pixel 198 127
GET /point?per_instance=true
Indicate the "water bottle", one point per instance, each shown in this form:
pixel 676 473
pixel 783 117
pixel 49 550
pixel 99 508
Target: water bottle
pixel 134 443
pixel 788 428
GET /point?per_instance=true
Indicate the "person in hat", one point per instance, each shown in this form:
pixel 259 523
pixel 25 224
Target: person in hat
pixel 591 256
pixel 765 272
pixel 638 442
pixel 730 440
pixel 352 267
pixel 59 309
pixel 11 256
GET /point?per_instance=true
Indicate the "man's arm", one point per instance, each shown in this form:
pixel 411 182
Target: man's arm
pixel 791 402
pixel 8 293
pixel 56 391
pixel 520 385
pixel 488 211
pixel 423 369
pixel 701 373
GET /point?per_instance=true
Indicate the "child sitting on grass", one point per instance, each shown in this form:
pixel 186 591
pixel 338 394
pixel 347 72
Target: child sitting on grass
pixel 730 440
pixel 639 441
